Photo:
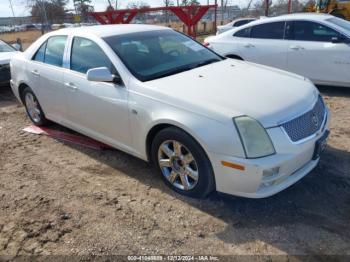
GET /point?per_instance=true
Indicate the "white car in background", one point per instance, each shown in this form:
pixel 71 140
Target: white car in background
pixel 316 46
pixel 6 53
pixel 233 24
pixel 206 122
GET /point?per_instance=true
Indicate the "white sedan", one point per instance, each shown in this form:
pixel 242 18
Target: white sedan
pixel 316 46
pixel 6 52
pixel 203 120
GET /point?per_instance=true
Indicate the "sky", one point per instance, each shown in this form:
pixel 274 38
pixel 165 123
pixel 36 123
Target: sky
pixel 20 8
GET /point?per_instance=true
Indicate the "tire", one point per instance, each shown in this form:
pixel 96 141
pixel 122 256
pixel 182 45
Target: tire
pixel 181 164
pixel 31 104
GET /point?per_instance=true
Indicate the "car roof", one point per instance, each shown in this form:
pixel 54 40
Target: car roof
pixel 309 16
pixel 111 30
pixel 244 18
pixel 288 17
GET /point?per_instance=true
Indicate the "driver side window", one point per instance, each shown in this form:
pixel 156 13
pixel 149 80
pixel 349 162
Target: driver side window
pixel 86 55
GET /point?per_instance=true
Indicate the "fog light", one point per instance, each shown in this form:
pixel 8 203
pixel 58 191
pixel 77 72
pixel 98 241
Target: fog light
pixel 268 173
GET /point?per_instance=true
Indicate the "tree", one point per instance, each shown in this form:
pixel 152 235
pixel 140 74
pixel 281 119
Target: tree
pixel 167 3
pixel 137 4
pixel 48 11
pixel 112 5
pixel 190 2
pixel 82 8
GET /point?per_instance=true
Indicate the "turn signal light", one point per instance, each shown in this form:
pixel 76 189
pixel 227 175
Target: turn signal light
pixel 232 165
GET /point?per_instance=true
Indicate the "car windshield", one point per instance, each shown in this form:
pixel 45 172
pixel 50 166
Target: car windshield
pixel 156 54
pixel 340 22
pixel 5 47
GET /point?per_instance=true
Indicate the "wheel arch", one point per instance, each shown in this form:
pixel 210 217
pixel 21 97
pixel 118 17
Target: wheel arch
pixel 21 88
pixel 157 127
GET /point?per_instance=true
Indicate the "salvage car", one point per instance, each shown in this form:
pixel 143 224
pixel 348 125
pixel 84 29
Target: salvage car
pixel 6 52
pixel 316 46
pixel 201 119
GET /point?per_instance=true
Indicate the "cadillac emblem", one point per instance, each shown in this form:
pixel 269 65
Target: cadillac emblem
pixel 314 120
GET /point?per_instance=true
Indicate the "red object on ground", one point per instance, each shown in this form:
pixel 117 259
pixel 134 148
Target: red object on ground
pixel 67 137
pixel 189 15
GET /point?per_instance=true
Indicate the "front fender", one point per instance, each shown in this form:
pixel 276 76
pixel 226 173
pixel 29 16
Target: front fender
pixel 214 136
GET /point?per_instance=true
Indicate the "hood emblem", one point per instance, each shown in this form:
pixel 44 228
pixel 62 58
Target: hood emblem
pixel 314 120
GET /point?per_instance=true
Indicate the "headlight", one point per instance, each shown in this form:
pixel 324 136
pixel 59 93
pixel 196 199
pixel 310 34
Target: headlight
pixel 255 140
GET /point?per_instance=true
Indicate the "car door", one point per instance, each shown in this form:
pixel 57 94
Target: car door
pixel 97 109
pixel 313 54
pixel 46 77
pixel 265 44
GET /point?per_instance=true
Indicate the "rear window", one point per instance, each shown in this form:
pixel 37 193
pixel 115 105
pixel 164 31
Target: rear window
pixel 243 33
pixel 242 22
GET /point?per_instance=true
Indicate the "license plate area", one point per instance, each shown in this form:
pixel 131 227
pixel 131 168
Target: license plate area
pixel 320 145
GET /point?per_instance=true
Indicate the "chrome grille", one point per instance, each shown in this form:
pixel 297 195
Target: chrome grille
pixel 306 124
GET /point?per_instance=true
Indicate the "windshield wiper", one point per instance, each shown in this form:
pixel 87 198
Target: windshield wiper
pixel 172 72
pixel 206 62
pixel 183 69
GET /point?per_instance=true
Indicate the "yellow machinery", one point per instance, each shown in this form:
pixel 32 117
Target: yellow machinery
pixel 339 8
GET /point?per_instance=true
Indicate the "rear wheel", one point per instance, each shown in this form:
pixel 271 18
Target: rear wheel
pixel 182 162
pixel 33 108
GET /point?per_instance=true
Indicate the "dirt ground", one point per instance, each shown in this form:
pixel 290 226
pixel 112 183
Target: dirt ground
pixel 27 37
pixel 62 199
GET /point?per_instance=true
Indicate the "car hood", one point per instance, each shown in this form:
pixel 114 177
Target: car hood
pixel 5 57
pixel 232 88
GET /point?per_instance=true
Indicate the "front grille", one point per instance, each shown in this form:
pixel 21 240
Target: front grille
pixel 306 124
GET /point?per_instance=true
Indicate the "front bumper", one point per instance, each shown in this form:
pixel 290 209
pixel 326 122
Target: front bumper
pixel 266 176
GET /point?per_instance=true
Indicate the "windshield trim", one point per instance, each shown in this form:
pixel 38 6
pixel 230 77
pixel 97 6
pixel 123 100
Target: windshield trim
pixel 344 29
pixel 177 70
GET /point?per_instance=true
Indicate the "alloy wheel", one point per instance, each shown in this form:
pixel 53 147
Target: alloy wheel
pixel 178 165
pixel 33 107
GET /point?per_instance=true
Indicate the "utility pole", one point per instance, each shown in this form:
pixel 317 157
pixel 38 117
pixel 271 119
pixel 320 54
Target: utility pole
pixel 290 6
pixel 267 2
pixel 215 15
pixel 13 13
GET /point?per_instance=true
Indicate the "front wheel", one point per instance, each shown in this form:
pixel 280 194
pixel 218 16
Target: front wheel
pixel 33 108
pixel 183 164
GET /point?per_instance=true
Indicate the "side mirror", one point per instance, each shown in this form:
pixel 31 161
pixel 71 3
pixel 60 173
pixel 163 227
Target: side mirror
pixel 102 74
pixel 340 39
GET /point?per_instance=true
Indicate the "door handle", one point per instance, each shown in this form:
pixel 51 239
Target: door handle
pixel 36 73
pixel 249 45
pixel 296 47
pixel 71 86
